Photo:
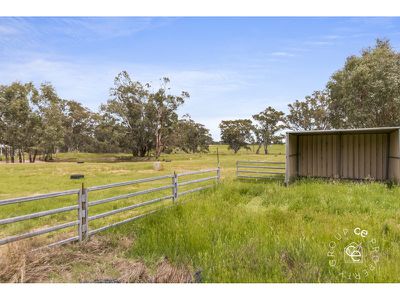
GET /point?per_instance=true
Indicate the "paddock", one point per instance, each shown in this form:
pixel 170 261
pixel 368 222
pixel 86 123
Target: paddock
pixel 365 153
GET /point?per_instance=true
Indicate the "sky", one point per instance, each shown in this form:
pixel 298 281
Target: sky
pixel 232 67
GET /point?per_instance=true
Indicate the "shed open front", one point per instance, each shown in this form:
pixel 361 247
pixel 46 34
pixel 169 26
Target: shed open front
pixel 369 153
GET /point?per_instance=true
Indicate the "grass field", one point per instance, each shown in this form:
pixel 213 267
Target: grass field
pixel 31 179
pixel 238 232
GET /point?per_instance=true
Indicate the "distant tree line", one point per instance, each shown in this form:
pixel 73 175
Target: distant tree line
pixel 364 93
pixel 36 122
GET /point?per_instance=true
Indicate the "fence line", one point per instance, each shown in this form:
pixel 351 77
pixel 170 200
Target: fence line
pixel 82 208
pixel 259 169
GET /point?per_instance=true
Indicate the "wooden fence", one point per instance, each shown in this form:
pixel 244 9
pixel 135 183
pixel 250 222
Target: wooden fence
pixel 83 205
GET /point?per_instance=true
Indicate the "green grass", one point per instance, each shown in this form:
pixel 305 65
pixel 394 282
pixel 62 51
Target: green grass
pixel 257 232
pixel 30 179
pixel 238 232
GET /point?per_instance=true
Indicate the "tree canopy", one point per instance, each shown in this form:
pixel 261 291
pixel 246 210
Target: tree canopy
pixel 366 91
pixel 269 123
pixel 237 133
pixel 310 114
pixel 37 121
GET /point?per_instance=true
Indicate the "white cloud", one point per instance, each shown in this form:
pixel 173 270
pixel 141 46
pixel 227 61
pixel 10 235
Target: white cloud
pixel 282 54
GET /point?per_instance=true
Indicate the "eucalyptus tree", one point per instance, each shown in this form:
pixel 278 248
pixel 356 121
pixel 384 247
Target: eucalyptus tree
pixel 19 119
pixel 237 133
pixel 366 91
pixel 269 123
pixel 191 136
pixel 128 108
pixel 51 113
pixel 79 124
pixel 164 106
pixel 310 114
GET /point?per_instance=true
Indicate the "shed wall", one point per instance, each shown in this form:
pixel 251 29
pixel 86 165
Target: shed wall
pixel 345 155
pixel 291 156
pixel 394 157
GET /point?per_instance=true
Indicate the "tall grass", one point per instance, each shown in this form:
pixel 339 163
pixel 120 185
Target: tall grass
pixel 265 232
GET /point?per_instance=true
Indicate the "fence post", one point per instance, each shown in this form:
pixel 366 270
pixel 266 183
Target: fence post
pixel 83 213
pixel 175 187
pixel 218 174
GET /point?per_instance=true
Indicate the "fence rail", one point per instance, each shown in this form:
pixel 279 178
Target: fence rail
pixel 259 169
pixel 83 205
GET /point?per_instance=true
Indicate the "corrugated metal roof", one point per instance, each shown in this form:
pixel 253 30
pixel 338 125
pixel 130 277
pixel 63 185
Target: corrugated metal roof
pixel 346 131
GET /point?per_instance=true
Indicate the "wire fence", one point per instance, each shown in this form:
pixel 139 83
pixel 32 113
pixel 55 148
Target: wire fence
pixel 171 191
pixel 260 169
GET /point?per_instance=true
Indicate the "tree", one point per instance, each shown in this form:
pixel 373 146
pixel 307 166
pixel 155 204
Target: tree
pixel 269 123
pixel 164 106
pixel 129 108
pixel 191 136
pixel 108 134
pixel 147 117
pixel 366 92
pixel 79 124
pixel 52 131
pixel 19 119
pixel 310 114
pixel 236 133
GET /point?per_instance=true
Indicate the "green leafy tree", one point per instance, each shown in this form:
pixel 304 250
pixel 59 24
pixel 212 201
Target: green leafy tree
pixel 19 119
pixel 51 112
pixel 191 136
pixel 79 124
pixel 237 133
pixel 129 109
pixel 310 114
pixel 366 91
pixel 164 106
pixel 268 125
pixel 108 134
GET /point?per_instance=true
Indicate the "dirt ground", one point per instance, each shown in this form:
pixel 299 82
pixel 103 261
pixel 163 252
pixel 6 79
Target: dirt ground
pixel 98 260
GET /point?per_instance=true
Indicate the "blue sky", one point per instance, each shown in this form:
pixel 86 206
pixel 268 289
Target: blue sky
pixel 232 67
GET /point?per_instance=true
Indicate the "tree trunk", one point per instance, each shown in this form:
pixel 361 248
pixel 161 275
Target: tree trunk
pixel 30 156
pixel 142 152
pixel 12 155
pixel 6 152
pixel 34 156
pixel 265 149
pixel 258 148
pixel 19 156
pixel 158 144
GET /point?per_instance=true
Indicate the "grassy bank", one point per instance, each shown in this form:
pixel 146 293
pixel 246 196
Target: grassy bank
pixel 246 232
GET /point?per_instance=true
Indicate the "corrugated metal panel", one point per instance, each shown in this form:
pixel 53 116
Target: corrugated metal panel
pixel 361 156
pixel 394 157
pixel 353 154
pixel 367 156
pixel 309 155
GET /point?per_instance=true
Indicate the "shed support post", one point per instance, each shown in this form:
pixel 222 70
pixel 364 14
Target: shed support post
pixel 83 214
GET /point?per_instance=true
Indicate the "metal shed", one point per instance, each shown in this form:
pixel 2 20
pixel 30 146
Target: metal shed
pixel 365 153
